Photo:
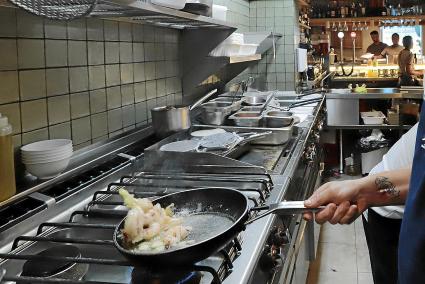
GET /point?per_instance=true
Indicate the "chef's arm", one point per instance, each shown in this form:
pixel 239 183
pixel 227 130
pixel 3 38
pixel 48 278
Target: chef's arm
pixel 412 71
pixel 346 200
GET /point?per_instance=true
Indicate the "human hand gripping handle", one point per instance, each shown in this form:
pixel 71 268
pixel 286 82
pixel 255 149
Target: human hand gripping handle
pixel 346 200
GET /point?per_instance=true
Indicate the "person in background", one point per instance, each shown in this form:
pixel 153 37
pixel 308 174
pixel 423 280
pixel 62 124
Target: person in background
pixel 407 72
pixel 346 200
pixel 382 224
pixel 392 51
pixel 377 47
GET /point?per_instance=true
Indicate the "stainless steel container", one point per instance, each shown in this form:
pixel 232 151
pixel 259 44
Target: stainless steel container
pixel 235 103
pixel 250 119
pixel 251 108
pixel 214 117
pixel 169 119
pixel 254 100
pixel 277 119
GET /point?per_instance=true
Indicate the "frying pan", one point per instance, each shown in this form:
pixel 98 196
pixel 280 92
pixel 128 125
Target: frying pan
pixel 216 216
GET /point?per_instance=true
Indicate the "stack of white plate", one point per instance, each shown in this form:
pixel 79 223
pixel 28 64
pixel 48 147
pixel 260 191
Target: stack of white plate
pixel 47 159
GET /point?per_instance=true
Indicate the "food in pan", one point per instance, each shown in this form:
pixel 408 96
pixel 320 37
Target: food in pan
pixel 150 227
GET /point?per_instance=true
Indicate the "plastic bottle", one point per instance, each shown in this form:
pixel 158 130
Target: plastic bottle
pixel 7 168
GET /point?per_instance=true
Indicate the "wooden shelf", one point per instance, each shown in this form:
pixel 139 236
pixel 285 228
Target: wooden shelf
pixel 322 21
pixel 302 3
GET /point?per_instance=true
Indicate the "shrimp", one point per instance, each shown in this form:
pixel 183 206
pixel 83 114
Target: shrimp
pixel 151 231
pixel 133 226
pixel 175 234
pixel 131 202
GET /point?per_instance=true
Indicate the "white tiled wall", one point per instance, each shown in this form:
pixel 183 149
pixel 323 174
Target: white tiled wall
pixel 86 79
pixel 279 16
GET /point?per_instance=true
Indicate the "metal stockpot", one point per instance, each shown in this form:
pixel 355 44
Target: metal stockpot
pixel 169 119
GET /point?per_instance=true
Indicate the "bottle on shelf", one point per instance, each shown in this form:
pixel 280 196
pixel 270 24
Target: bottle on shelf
pixel 7 164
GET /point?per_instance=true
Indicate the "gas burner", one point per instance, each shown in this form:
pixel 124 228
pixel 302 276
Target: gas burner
pixel 146 276
pixel 56 269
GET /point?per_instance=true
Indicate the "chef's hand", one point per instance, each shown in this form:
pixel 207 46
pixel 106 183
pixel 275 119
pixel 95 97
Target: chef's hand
pixel 343 201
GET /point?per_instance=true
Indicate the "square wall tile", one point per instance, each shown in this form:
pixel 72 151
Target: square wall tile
pixel 58 109
pixel 7 22
pixel 140 92
pixel 99 123
pixel 97 77
pixel 60 131
pixel 126 73
pixel 80 105
pixel 77 53
pixel 150 89
pixel 113 75
pixel 126 52
pixel 82 145
pixel 113 97
pixel 112 52
pixel 160 69
pixel 160 88
pixel 138 52
pixel 29 26
pixel 17 141
pixel 149 49
pixel 111 30
pixel 78 79
pixel 13 113
pixel 56 53
pixel 96 52
pixel 9 87
pixel 125 31
pixel 55 29
pixel 127 94
pixel 81 130
pixel 34 114
pixel 150 104
pixel 128 115
pixel 77 29
pixel 34 136
pixel 57 81
pixel 114 120
pixel 31 53
pixel 97 101
pixel 150 72
pixel 32 84
pixel 94 29
pixel 139 72
pixel 138 31
pixel 8 54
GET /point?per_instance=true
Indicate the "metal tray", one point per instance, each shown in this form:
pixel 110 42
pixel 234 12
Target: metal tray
pixel 278 136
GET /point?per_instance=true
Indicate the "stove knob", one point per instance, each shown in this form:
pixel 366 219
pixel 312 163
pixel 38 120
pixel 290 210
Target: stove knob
pixel 267 261
pixel 279 239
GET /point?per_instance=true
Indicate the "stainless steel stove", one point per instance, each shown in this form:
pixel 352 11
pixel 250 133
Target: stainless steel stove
pixel 62 231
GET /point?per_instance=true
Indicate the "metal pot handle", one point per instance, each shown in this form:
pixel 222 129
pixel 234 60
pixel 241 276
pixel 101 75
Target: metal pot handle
pixel 282 208
pixel 203 99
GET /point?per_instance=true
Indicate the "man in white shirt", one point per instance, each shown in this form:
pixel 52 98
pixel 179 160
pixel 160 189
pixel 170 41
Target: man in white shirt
pixel 392 51
pixel 382 224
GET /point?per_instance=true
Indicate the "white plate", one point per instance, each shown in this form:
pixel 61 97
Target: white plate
pixel 180 146
pixel 207 132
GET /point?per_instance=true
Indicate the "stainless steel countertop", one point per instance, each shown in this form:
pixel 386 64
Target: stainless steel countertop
pixel 375 93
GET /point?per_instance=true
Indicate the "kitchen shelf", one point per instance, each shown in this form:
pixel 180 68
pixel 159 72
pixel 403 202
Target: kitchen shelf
pixel 302 3
pixel 197 73
pixel 370 126
pixel 146 13
pixel 243 58
pixel 322 21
